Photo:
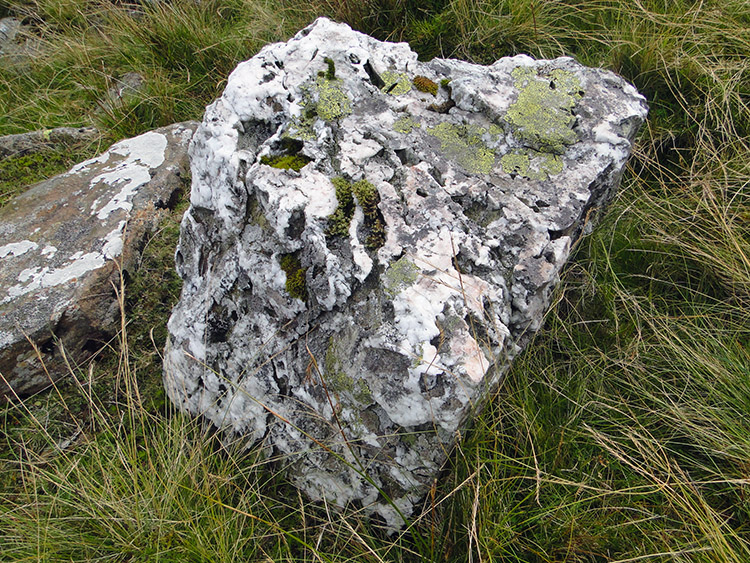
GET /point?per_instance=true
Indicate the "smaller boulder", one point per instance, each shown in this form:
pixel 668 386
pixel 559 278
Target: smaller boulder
pixel 62 246
pixel 46 139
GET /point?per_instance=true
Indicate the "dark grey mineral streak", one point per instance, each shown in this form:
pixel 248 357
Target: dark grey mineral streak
pixel 370 242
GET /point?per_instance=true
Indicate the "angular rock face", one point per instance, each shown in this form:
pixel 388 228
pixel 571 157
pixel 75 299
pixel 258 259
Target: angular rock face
pixel 60 245
pixel 369 243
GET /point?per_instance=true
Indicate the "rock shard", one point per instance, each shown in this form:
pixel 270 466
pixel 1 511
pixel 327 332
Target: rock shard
pixel 371 240
pixel 61 244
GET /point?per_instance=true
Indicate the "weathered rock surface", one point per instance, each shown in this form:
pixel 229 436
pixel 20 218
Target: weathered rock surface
pixel 369 243
pixel 17 45
pixel 60 245
pixel 38 141
pixel 9 28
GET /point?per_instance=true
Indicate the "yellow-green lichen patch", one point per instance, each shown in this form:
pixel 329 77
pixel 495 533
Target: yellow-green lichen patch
pixel 302 128
pixel 339 382
pixel 396 83
pixel 543 113
pixel 286 161
pixel 405 124
pixel 464 144
pixel 532 164
pixel 296 286
pixel 496 130
pixel 368 198
pixel 424 84
pixel 333 102
pixel 402 273
pixel 323 98
pixel 339 220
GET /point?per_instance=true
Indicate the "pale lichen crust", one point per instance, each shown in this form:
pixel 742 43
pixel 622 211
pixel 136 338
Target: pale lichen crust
pixel 396 83
pixel 531 164
pixel 464 144
pixel 405 124
pixel 543 112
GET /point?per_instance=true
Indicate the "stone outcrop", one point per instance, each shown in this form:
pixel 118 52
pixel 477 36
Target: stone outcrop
pixel 371 240
pixel 62 244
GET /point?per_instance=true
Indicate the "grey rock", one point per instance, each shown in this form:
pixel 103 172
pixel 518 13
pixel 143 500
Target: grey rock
pixel 37 141
pixel 17 45
pixel 62 244
pixel 9 28
pixel 351 315
pixel 127 87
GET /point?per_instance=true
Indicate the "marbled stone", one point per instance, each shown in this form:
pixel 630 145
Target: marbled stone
pixel 370 242
pixel 62 246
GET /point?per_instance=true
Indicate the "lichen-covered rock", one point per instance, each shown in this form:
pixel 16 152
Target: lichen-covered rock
pixel 369 243
pixel 62 243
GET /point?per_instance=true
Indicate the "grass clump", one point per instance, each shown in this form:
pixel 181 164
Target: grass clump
pixel 184 50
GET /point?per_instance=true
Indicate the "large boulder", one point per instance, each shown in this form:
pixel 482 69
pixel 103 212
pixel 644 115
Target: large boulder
pixel 63 244
pixel 371 240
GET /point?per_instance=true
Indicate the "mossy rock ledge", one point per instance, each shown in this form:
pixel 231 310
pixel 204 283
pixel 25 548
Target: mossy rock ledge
pixel 427 230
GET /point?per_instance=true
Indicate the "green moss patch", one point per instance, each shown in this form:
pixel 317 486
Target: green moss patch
pixel 19 172
pixel 368 198
pixel 339 220
pixel 286 161
pixel 290 159
pixel 296 286
pixel 330 73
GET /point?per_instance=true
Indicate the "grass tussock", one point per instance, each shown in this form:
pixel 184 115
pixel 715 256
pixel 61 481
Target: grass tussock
pixel 622 434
